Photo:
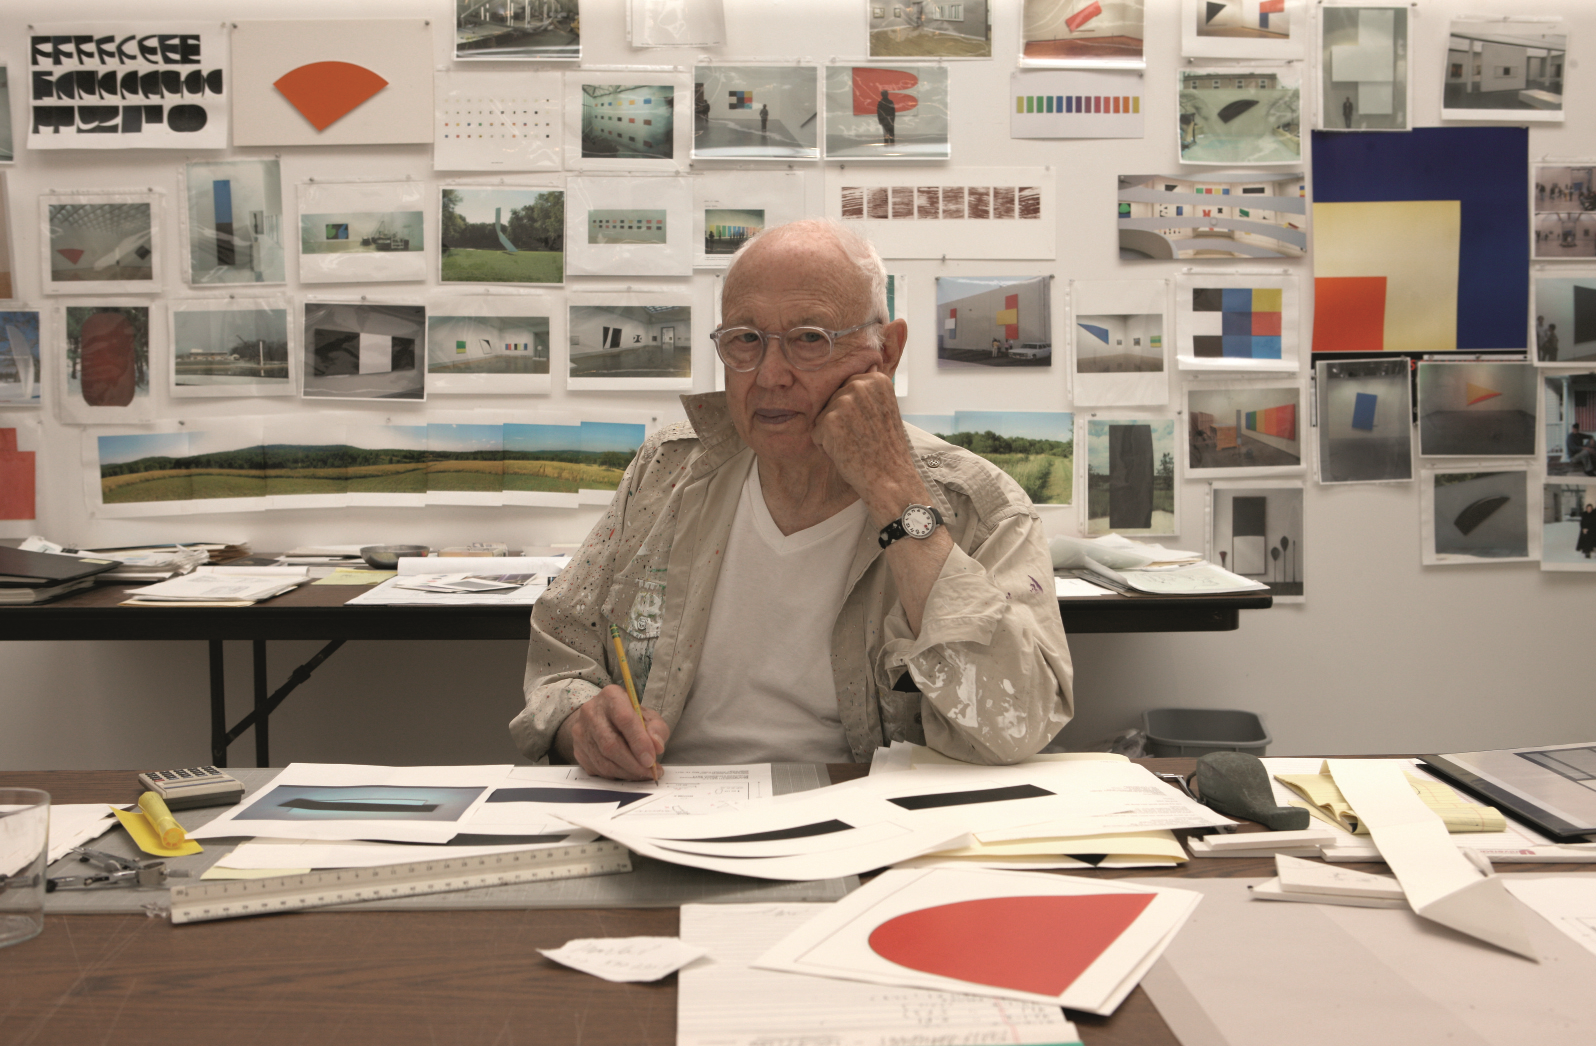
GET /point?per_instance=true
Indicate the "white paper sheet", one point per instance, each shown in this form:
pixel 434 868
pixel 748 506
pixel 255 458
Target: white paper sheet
pixel 1568 902
pixel 74 824
pixel 723 1001
pixel 624 959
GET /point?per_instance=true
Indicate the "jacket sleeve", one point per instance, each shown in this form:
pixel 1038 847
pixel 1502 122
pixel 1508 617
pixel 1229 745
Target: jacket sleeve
pixel 991 661
pixel 566 657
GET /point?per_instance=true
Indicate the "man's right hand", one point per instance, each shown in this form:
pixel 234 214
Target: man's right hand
pixel 605 738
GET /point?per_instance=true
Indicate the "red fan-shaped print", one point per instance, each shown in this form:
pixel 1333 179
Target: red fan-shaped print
pixel 326 92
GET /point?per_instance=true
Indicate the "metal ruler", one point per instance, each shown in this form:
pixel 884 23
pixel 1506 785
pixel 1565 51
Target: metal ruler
pixel 231 898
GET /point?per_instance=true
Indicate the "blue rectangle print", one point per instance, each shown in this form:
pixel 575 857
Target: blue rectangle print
pixel 1363 411
pixel 222 195
pixel 1238 299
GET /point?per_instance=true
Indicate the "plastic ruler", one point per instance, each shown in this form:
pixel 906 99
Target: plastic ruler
pixel 231 898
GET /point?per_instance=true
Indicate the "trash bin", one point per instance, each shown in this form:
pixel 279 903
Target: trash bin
pixel 1198 731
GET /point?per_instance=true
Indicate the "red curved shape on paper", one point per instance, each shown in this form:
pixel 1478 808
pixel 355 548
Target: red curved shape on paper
pixel 326 92
pixel 1031 944
pixel 107 360
pixel 869 83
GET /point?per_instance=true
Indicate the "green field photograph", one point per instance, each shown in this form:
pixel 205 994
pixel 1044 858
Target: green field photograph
pixel 1036 448
pixel 502 235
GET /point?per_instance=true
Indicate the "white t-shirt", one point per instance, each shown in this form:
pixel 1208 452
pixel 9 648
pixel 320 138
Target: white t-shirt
pixel 764 690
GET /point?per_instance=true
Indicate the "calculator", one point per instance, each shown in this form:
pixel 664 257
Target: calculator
pixel 194 786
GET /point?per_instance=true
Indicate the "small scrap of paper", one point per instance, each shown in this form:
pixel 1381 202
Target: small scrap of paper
pixel 625 958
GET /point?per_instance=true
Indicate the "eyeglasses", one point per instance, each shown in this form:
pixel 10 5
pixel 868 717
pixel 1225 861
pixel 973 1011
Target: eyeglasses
pixel 806 348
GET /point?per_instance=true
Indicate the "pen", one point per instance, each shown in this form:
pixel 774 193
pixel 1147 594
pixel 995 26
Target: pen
pixel 631 689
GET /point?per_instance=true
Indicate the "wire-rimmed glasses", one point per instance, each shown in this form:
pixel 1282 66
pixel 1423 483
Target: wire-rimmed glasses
pixel 806 348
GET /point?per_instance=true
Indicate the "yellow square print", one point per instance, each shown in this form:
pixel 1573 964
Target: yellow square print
pixel 1414 245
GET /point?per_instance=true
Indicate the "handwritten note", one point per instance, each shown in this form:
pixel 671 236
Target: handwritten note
pixel 625 958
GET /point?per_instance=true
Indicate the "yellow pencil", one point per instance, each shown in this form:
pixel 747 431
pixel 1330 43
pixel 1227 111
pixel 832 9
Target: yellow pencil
pixel 631 688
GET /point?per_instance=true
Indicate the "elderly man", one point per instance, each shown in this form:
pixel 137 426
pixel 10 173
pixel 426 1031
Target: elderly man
pixel 798 576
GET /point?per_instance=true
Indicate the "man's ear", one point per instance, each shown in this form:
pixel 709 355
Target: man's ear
pixel 893 337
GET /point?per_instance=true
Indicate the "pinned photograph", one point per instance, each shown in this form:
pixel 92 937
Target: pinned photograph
pixel 549 464
pixel 498 121
pixel 1565 199
pixel 364 351
pixel 219 467
pixel 881 113
pixel 626 226
pixel 1242 322
pixel 1119 332
pixel 1243 28
pixel 994 321
pixel 1164 217
pixel 989 212
pixel 19 358
pixel 725 231
pixel 1477 409
pixel 1505 69
pixel 627 125
pixel 756 112
pixel 101 243
pixel 1255 530
pixel 533 31
pixel 622 347
pixel 1075 104
pixel 1570 422
pixel 1565 319
pixel 491 345
pixel 676 23
pixel 731 207
pixel 1363 69
pixel 8 150
pixel 233 347
pixel 1243 430
pixel 629 226
pixel 1568 525
pixel 1082 33
pixel 1475 517
pixel 1365 421
pixel 1035 448
pixel 235 222
pixel 922 29
pixel 361 232
pixel 502 234
pixel 102 372
pixel 1242 115
pixel 8 285
pixel 1130 476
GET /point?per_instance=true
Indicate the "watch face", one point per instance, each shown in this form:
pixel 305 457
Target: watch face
pixel 918 521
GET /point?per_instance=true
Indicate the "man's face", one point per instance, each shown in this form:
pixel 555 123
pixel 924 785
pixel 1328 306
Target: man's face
pixel 790 283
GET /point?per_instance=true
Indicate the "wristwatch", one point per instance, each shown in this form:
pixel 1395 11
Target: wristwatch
pixel 917 521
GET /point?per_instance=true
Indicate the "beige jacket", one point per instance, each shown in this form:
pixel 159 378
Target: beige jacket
pixel 987 680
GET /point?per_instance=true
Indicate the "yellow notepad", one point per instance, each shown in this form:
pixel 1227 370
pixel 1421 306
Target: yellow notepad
pixel 1325 800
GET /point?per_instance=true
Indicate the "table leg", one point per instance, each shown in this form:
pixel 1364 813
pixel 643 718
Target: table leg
pixel 264 705
pixel 262 710
pixel 218 706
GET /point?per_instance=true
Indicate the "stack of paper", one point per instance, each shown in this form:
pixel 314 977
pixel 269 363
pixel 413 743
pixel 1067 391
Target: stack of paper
pixel 1317 883
pixel 466 583
pixel 1128 567
pixel 321 555
pixel 220 586
pixel 409 588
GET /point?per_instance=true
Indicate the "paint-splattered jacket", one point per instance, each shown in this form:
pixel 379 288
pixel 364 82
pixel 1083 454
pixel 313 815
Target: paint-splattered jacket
pixel 987 680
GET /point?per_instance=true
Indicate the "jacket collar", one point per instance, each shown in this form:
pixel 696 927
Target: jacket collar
pixel 711 420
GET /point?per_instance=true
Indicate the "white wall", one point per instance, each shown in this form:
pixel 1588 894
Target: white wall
pixel 1385 656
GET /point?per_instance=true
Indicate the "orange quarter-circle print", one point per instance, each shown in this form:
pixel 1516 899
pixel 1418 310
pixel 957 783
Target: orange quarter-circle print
pixel 326 92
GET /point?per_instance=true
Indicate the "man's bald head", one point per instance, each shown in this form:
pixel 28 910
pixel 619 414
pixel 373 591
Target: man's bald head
pixel 822 236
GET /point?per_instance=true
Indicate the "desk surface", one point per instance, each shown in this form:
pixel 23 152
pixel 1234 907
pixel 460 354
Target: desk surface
pixel 388 978
pixel 317 612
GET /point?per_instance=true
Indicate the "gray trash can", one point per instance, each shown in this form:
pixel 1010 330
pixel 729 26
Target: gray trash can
pixel 1198 731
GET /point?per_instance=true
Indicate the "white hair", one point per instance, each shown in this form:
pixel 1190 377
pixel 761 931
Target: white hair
pixel 860 251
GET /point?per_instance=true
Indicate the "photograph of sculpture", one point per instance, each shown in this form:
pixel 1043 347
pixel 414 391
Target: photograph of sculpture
pixel 630 347
pixel 1477 409
pixel 108 354
pixel 628 121
pixel 19 358
pixel 885 113
pixel 1363 68
pixel 1365 426
pixel 1565 319
pixel 1240 115
pixel 756 112
pixel 1570 420
pixel 529 30
pixel 994 321
pixel 237 349
pixel 930 29
pixel 502 235
pixel 1095 32
pixel 1475 516
pixel 105 243
pixel 1035 448
pixel 1165 217
pixel 235 222
pixel 1565 199
pixel 1568 525
pixel 1243 431
pixel 1255 530
pixel 364 351
pixel 1505 70
pixel 1130 476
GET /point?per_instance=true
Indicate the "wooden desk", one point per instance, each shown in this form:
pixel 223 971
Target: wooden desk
pixel 381 978
pixel 318 612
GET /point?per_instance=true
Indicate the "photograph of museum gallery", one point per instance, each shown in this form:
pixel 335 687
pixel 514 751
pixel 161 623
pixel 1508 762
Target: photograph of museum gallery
pixel 1253 214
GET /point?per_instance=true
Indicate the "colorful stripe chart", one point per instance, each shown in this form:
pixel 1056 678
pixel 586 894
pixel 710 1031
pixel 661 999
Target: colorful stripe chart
pixel 1075 103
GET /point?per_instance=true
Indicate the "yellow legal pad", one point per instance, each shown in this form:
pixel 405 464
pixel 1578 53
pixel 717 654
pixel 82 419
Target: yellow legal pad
pixel 1324 800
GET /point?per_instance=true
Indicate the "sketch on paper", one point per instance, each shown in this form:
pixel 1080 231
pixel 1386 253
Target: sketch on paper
pixel 1363 63
pixel 1178 216
pixel 1257 532
pixel 1083 32
pixel 929 29
pixel 1240 115
pixel 1035 448
pixel 756 112
pixel 502 235
pixel 488 344
pixel 1504 70
pixel 1477 409
pixel 994 321
pixel 1130 476
pixel 532 30
pixel 628 121
pixel 245 349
